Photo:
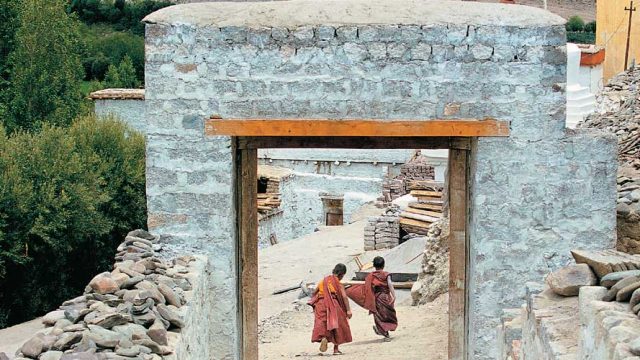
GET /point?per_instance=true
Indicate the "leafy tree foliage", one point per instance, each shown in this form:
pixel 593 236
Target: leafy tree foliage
pixel 575 23
pixel 8 25
pixel 122 76
pixel 590 27
pixel 45 67
pixel 123 15
pixel 67 198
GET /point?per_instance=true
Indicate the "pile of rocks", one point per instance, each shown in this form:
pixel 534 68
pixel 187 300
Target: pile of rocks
pixel 133 312
pixel 383 232
pixel 628 215
pixel 618 111
pixel 433 279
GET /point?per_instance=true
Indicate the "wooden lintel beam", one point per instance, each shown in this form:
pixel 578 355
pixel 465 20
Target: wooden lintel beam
pixel 275 142
pixel 350 128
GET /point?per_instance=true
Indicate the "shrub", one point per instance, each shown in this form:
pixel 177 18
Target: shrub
pixel 575 23
pixel 581 37
pixel 590 27
pixel 67 198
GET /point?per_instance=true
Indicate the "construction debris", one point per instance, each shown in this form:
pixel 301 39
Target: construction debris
pixel 618 111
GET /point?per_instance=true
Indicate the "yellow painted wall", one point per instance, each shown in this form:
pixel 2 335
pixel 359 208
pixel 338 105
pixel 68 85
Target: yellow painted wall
pixel 612 23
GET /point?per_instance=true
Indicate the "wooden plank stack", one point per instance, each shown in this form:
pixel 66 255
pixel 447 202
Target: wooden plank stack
pixel 268 202
pixel 419 215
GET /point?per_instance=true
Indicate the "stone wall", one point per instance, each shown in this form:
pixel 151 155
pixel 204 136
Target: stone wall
pixel 301 203
pixel 125 104
pixel 533 195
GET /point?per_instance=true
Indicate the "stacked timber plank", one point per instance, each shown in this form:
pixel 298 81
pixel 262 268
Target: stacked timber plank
pixel 273 185
pixel 268 202
pixel 419 215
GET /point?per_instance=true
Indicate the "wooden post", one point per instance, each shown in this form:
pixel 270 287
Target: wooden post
pixel 247 180
pixel 630 9
pixel 457 253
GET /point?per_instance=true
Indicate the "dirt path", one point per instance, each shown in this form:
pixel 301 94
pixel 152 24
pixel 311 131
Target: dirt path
pixel 286 322
pixel 586 9
pixel 422 330
pixel 12 338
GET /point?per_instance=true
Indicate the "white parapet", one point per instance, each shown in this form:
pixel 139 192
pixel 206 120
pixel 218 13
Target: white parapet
pixel 580 101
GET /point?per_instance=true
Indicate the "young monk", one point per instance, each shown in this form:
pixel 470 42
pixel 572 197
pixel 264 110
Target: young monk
pixel 331 308
pixel 380 297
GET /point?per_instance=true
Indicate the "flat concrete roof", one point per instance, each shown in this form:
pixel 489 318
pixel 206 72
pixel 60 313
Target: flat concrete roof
pixel 352 12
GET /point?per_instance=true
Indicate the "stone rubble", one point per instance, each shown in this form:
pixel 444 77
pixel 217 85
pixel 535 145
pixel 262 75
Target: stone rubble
pixel 618 111
pixel 628 214
pixel 433 280
pixel 133 312
pixel 383 232
pixel 603 262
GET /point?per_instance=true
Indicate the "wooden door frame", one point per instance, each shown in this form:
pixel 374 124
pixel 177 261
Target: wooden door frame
pixel 245 149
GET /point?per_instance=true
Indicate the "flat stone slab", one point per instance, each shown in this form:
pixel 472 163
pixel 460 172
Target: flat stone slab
pixel 568 280
pixel 604 262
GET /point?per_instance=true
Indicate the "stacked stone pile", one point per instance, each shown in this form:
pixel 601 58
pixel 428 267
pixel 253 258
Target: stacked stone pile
pixel 392 188
pixel 628 215
pixel 618 111
pixel 383 232
pixel 133 312
pixel 433 279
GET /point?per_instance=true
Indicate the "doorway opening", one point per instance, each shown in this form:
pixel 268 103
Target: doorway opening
pixel 454 135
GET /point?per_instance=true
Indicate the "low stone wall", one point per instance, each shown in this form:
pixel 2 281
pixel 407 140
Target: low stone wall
pixel 126 104
pixel 136 311
pixel 607 329
pixel 549 331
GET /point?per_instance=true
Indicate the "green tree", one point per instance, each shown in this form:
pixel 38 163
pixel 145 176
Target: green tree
pixel 112 78
pixel 8 26
pixel 46 67
pixel 127 74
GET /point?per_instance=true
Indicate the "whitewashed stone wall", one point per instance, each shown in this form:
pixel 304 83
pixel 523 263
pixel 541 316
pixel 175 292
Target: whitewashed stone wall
pixel 130 111
pixel 534 195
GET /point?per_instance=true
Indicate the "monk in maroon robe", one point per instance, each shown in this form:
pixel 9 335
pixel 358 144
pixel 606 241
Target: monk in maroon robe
pixel 379 297
pixel 331 309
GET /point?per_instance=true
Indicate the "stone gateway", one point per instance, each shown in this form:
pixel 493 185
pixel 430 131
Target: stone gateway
pixel 533 196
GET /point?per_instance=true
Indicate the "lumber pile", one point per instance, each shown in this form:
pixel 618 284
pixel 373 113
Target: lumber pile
pixel 268 202
pixel 419 215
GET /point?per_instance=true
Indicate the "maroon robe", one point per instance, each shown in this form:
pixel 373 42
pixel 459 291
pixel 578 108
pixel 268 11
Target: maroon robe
pixel 330 314
pixel 375 296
